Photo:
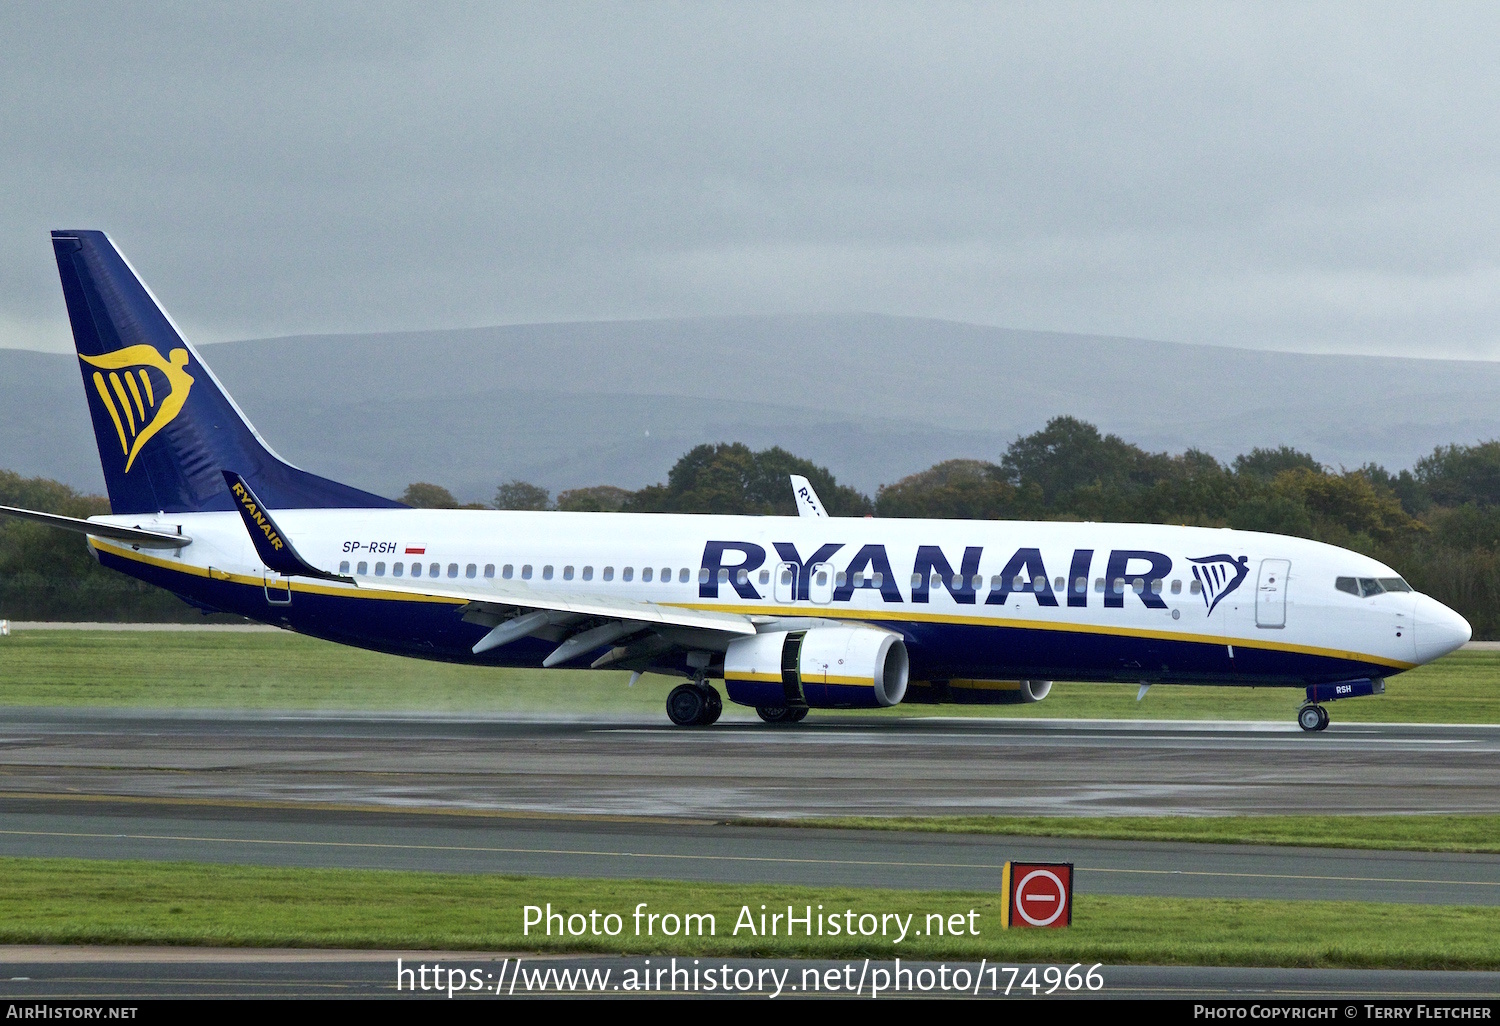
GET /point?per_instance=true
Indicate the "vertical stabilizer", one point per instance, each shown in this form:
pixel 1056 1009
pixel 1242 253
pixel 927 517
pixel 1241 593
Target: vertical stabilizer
pixel 166 428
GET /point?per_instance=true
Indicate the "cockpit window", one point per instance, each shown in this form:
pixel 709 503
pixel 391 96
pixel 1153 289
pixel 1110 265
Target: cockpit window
pixel 1364 587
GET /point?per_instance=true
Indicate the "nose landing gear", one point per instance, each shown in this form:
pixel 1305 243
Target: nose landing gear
pixel 1312 717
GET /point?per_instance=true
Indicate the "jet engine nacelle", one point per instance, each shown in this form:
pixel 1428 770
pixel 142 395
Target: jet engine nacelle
pixel 822 668
pixel 978 692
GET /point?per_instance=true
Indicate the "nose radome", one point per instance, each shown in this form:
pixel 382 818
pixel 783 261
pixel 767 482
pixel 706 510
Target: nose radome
pixel 1439 630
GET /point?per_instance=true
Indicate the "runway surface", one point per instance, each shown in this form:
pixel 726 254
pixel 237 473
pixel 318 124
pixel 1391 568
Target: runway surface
pixel 826 766
pixel 616 799
pixel 278 835
pixel 102 974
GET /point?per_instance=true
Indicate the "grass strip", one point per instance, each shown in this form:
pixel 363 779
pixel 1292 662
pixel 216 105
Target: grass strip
pixel 1386 833
pixel 288 671
pixel 75 901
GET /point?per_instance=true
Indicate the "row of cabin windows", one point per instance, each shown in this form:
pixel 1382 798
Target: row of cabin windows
pixel 957 582
pixel 508 571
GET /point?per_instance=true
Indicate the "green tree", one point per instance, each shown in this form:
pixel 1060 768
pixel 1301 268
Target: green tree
pixel 730 478
pixel 598 499
pixel 516 494
pixel 1076 469
pixel 1265 464
pixel 1456 474
pixel 428 496
pixel 954 489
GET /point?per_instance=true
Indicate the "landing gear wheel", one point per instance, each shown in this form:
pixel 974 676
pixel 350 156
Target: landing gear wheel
pixel 686 705
pixel 1312 717
pixel 713 706
pixel 782 713
pixel 1323 717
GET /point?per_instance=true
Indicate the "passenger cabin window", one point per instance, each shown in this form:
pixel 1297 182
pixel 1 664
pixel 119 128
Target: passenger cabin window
pixel 509 571
pixel 703 575
pixel 1080 585
pixel 1099 584
pixel 627 573
pixel 765 577
pixel 646 574
pixel 470 571
pixel 567 573
pixel 666 575
pixel 525 571
pixel 609 573
pixel 433 569
pixel 1176 587
pixel 416 569
pixel 547 572
pixel 379 569
pixel 396 570
pixel 588 573
pixel 1195 588
pixel 363 568
pixel 489 570
pixel 684 575
pixel 344 567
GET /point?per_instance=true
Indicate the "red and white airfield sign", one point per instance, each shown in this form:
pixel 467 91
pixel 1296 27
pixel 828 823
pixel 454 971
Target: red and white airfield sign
pixel 1038 894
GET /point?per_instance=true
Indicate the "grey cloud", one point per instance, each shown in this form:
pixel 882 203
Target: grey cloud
pixel 1310 177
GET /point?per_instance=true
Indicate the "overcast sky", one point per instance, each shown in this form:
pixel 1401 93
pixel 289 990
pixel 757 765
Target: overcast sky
pixel 1318 178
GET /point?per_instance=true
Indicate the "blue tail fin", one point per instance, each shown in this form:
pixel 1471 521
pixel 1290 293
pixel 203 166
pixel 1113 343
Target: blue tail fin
pixel 165 426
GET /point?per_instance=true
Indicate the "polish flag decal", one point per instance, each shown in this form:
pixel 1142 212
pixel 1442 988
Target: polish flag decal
pixel 416 550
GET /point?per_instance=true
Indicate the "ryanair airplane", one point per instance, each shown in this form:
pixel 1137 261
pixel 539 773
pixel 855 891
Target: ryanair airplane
pixel 790 613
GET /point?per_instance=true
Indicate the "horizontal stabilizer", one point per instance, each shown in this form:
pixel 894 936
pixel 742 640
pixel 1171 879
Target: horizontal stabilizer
pixel 136 536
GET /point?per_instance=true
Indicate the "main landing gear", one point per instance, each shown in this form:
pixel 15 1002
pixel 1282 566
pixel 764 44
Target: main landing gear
pixel 782 713
pixel 1312 717
pixel 694 705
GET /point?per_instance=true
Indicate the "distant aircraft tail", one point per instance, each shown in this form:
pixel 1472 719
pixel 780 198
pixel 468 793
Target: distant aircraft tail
pixel 165 426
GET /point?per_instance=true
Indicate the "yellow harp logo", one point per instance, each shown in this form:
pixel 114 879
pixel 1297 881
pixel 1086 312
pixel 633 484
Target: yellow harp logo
pixel 131 398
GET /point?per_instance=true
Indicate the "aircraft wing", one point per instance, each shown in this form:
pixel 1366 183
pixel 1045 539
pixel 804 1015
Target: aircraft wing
pixel 581 623
pixel 511 609
pixel 645 613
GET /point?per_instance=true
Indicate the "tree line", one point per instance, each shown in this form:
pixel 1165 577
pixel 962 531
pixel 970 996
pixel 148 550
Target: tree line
pixel 1437 523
